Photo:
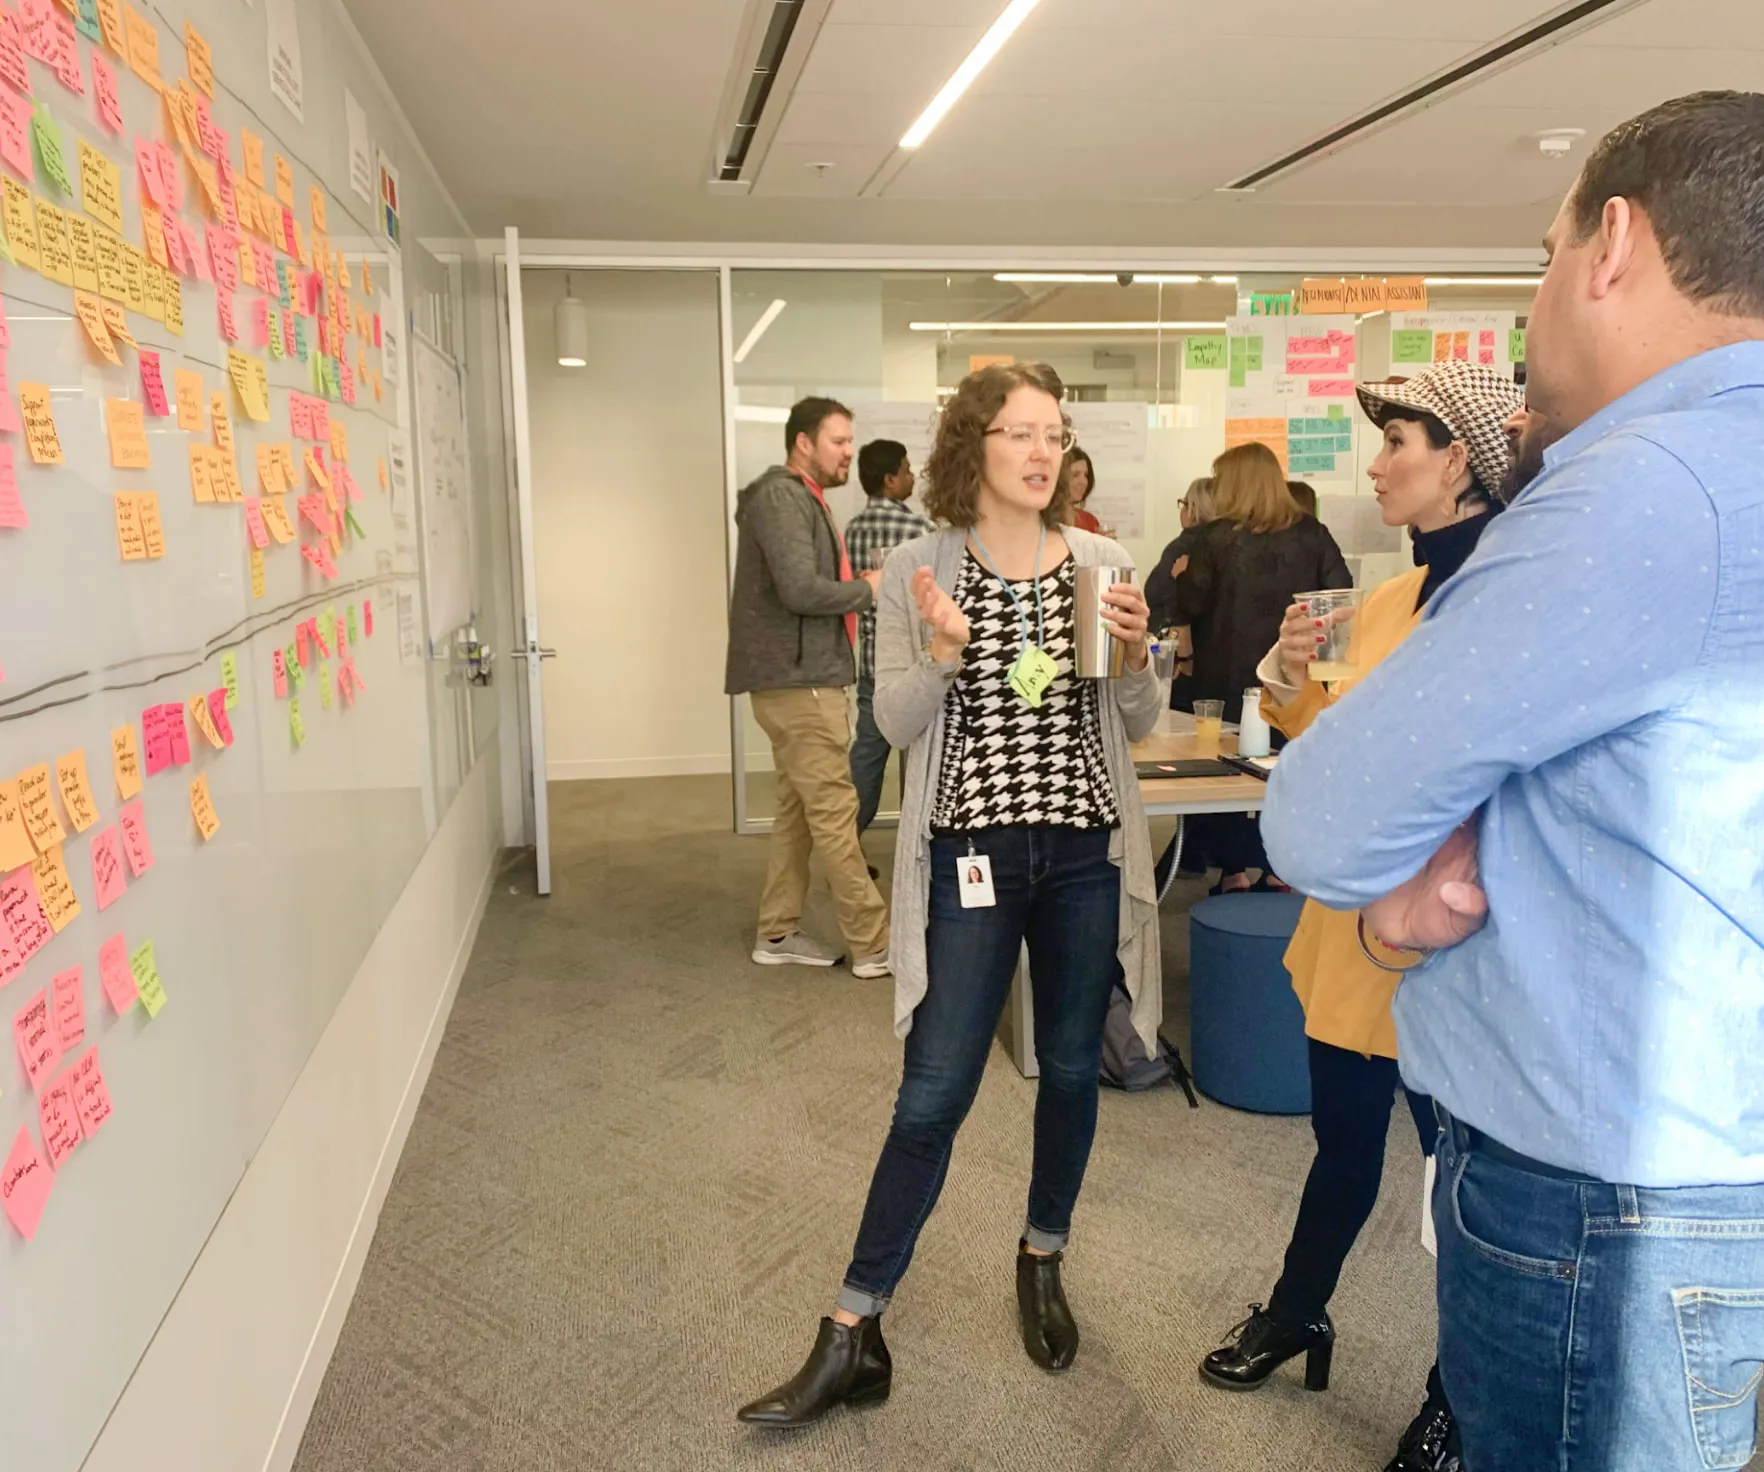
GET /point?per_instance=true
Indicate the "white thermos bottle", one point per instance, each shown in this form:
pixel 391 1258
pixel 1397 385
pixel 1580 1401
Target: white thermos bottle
pixel 1252 729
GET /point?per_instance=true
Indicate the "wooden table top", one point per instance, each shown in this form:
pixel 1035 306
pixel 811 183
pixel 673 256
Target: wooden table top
pixel 1169 795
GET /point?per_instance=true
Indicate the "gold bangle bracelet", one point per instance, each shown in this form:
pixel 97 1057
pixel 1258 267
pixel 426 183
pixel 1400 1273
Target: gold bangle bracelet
pixel 1366 950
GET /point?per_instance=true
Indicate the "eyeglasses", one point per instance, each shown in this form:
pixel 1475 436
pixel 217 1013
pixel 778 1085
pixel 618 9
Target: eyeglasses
pixel 1022 436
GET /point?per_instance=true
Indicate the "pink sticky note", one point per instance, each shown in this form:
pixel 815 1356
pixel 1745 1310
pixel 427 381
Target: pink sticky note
pixel 321 420
pixel 91 1098
pixel 109 98
pixel 313 508
pixel 27 927
pixel 225 257
pixel 1332 388
pixel 147 161
pixel 265 260
pixel 9 420
pixel 15 136
pixel 341 635
pixel 224 302
pixel 107 868
pixel 299 416
pixel 11 963
pixel 173 229
pixel 344 688
pixel 34 1030
pixel 59 1118
pixel 198 256
pixel 69 1009
pixel 12 511
pixel 12 55
pixel 376 329
pixel 173 716
pixel 260 322
pixel 66 56
pixel 340 473
pixel 319 555
pixel 25 1184
pixel 217 712
pixel 155 739
pixel 118 978
pixel 346 378
pixel 152 386
pixel 279 667
pixel 367 617
pixel 254 522
pixel 5 328
pixel 355 674
pixel 134 837
pixel 302 645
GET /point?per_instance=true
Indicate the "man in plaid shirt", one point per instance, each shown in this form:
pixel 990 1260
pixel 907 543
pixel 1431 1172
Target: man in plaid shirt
pixel 881 526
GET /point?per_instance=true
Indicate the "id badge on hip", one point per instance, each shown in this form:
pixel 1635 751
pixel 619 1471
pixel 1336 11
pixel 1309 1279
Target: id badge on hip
pixel 974 878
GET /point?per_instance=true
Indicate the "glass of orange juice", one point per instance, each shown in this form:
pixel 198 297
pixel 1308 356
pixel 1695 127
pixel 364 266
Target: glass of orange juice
pixel 1209 725
pixel 1334 608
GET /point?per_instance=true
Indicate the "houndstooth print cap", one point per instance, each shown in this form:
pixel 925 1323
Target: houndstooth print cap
pixel 1470 399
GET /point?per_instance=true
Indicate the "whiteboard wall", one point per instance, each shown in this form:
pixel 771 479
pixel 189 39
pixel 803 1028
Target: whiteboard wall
pixel 258 930
pixel 444 459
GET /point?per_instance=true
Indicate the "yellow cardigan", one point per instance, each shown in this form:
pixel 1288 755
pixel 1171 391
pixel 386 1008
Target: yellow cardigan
pixel 1346 998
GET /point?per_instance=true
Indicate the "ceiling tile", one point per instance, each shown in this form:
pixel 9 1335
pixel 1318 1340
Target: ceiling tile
pixel 848 117
pixel 887 59
pixel 1279 22
pixel 787 170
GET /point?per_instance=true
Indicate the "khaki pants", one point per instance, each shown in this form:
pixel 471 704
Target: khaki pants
pixel 817 808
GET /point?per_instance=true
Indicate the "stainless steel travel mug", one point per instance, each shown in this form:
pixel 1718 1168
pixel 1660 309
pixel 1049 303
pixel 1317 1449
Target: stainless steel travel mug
pixel 1099 655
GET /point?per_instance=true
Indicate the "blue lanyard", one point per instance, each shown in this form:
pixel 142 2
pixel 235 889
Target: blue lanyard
pixel 991 565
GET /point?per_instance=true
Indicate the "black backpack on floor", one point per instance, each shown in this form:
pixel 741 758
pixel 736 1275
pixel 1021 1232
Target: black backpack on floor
pixel 1125 1063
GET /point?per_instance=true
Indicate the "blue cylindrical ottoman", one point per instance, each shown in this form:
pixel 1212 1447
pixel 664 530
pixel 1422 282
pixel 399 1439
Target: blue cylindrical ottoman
pixel 1247 1030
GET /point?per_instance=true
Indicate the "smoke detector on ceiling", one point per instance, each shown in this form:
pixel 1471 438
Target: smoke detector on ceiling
pixel 1558 142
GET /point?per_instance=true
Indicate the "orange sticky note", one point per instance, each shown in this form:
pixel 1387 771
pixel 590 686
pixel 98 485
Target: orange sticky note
pixel 118 322
pixel 223 425
pixel 258 581
pixel 284 181
pixel 202 808
pixel 90 311
pixel 39 809
pixel 383 479
pixel 316 469
pixel 15 838
pixel 201 476
pixel 126 422
pixel 187 387
pixel 143 39
pixel 55 889
pixel 152 532
pixel 199 60
pixel 253 146
pixel 339 440
pixel 125 760
pixel 275 517
pixel 39 424
pixel 110 19
pixel 318 208
pixel 199 713
pixel 131 541
pixel 76 790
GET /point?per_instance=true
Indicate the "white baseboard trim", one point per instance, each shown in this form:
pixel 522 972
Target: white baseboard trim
pixel 713 764
pixel 232 1374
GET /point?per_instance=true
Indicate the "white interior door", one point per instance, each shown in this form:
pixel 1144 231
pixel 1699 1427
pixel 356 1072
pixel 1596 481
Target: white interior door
pixel 529 651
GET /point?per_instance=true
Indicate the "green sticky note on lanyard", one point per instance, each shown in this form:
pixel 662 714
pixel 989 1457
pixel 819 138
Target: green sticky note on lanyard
pixel 49 153
pixel 1032 674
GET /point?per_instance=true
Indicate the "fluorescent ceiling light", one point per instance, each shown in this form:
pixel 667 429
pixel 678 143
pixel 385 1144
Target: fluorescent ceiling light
pixel 1050 327
pixel 1086 278
pixel 767 318
pixel 761 414
pixel 990 45
pixel 1484 280
pixel 1223 280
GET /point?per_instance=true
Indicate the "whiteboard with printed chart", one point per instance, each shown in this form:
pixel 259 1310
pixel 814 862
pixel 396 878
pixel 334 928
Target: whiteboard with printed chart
pixel 216 771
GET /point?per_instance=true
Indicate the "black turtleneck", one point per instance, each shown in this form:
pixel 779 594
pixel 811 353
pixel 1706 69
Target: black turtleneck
pixel 1444 551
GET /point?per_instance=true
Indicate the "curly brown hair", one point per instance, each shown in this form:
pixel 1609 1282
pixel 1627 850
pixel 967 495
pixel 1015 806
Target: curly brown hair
pixel 958 459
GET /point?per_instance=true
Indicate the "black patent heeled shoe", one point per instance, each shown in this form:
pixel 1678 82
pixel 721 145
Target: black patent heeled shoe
pixel 849 1365
pixel 1431 1444
pixel 1261 1344
pixel 1050 1335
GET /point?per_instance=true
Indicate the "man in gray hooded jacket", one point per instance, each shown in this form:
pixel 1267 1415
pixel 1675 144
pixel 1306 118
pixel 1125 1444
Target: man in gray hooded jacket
pixel 792 626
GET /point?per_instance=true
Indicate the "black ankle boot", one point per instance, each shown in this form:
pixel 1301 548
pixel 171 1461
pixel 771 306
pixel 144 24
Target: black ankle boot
pixel 1431 1443
pixel 1261 1344
pixel 849 1364
pixel 1049 1333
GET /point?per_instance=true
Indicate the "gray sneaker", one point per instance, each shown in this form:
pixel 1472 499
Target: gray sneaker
pixel 867 968
pixel 795 949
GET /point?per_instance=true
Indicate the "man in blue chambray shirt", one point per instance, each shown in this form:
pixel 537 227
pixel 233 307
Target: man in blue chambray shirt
pixel 1578 723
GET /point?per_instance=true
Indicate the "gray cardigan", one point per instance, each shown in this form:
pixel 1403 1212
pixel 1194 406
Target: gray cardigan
pixel 910 692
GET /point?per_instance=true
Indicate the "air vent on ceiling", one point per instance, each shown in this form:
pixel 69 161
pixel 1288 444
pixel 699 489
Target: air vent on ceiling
pixel 769 62
pixel 1551 30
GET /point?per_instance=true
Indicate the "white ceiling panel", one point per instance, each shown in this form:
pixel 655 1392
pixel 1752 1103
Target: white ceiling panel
pixel 1276 23
pixel 886 59
pixel 789 172
pixel 976 13
pixel 1610 83
pixel 1690 24
pixel 848 117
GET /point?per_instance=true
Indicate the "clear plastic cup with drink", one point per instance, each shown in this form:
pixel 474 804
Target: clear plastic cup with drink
pixel 1209 725
pixel 1334 608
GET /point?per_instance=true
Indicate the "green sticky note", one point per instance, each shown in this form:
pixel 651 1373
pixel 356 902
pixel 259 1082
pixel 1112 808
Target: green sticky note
pixel 1237 374
pixel 1516 344
pixel 324 679
pixel 295 672
pixel 300 337
pixel 147 980
pixel 1254 352
pixel 1336 411
pixel 48 138
pixel 230 676
pixel 296 726
pixel 87 20
pixel 1411 345
pixel 1203 354
pixel 354 636
pixel 356 527
pixel 275 335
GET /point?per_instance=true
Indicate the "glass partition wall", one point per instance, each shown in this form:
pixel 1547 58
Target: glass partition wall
pixel 1162 371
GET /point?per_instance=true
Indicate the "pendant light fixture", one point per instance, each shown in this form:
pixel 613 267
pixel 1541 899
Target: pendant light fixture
pixel 571 324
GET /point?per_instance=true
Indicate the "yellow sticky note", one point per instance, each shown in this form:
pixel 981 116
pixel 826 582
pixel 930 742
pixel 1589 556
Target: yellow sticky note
pixel 125 761
pixel 20 219
pixel 126 422
pixel 143 39
pixel 253 157
pixel 39 424
pixel 251 380
pixel 201 804
pixel 113 277
pixel 201 476
pixel 153 280
pixel 131 541
pixel 152 532
pixel 343 277
pixel 228 476
pixel 223 424
pixel 15 838
pixel 384 482
pixel 367 277
pixel 39 809
pixel 90 311
pixel 269 471
pixel 316 469
pixel 174 304
pixel 187 389
pixel 285 458
pixel 135 265
pixel 275 517
pixel 55 889
pixel 257 578
pixel 118 323
pixel 324 679
pixel 199 60
pixel 284 181
pixel 152 231
pixel 111 19
pixel 54 249
pixel 198 707
pixel 339 440
pixel 100 187
pixel 76 790
pixel 318 208
pixel 85 252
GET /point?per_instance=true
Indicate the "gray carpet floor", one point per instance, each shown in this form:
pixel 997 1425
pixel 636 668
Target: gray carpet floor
pixel 631 1187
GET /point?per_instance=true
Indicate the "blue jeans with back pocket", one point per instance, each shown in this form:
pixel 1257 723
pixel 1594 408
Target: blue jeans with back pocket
pixel 1591 1327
